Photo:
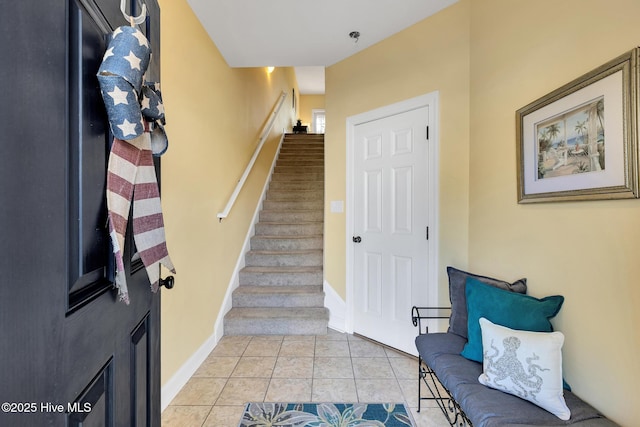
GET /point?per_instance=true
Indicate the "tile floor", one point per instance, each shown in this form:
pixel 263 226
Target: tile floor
pixel 335 367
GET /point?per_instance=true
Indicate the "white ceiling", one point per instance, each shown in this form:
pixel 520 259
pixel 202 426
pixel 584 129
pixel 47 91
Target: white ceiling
pixel 304 33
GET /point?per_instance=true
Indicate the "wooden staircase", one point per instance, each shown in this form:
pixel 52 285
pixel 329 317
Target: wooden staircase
pixel 280 287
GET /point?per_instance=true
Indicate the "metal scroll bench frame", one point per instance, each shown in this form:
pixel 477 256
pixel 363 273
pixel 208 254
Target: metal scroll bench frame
pixel 452 411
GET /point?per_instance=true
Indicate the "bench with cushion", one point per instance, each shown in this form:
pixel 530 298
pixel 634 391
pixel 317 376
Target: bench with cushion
pixel 515 378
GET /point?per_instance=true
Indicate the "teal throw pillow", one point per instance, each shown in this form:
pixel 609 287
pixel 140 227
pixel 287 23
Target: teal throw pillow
pixel 505 308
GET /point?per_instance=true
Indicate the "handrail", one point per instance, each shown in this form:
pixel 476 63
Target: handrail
pixel 266 130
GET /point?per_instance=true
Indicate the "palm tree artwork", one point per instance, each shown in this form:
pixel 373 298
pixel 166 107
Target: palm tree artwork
pixel 572 142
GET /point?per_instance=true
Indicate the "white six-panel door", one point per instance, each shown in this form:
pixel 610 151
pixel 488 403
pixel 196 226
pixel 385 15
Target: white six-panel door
pixel 390 219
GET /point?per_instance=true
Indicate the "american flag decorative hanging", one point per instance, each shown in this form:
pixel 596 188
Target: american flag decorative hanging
pixel 136 118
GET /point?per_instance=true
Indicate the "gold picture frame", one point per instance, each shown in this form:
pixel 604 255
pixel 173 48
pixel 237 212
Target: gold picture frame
pixel 580 142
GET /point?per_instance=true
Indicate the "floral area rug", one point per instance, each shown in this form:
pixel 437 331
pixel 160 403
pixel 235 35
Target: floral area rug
pixel 325 415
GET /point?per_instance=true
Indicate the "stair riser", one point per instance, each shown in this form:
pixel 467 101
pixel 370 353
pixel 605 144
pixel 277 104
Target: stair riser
pixel 293 204
pixel 303 259
pixel 280 279
pixel 275 327
pixel 310 143
pixel 306 153
pixel 291 216
pixel 302 195
pixel 298 169
pixel 296 185
pixel 301 153
pixel 284 244
pixel 301 149
pixel 298 177
pixel 300 162
pixel 278 300
pixel 274 229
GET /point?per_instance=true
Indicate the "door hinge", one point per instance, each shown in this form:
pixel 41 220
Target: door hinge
pixel 427 233
pixel 427 133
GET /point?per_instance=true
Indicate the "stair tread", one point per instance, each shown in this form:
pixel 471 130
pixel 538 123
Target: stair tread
pixel 293 210
pixel 290 223
pixel 293 289
pixel 310 181
pixel 281 237
pixel 296 190
pixel 285 252
pixel 277 312
pixel 282 269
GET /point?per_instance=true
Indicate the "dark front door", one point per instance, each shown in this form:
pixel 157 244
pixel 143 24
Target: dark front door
pixel 70 353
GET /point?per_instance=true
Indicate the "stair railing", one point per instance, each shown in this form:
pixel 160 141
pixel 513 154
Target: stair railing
pixel 266 130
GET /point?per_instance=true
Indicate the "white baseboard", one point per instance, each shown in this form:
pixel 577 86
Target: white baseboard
pixel 337 308
pixel 171 389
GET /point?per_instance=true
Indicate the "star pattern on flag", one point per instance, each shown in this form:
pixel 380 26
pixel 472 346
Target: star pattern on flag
pixel 133 60
pixel 119 96
pixel 108 54
pixel 142 40
pixel 145 103
pixel 121 79
pixel 127 127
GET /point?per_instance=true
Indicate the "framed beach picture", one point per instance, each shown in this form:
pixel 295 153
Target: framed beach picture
pixel 580 142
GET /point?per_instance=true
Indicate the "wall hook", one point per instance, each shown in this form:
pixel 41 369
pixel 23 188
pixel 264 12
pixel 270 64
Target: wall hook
pixel 137 19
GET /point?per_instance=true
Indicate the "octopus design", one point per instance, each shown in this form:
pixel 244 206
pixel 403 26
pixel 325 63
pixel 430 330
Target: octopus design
pixel 527 382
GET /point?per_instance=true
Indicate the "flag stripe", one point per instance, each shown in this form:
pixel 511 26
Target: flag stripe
pixel 146 207
pixel 122 167
pixel 125 150
pixel 146 175
pixel 118 222
pixel 146 191
pixel 131 177
pixel 119 185
pixel 148 223
pixel 119 205
pixel 148 239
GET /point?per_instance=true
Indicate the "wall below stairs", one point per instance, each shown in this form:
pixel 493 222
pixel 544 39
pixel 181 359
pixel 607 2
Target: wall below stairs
pixel 214 116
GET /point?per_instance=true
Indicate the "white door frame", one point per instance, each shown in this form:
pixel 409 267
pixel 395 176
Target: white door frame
pixel 431 100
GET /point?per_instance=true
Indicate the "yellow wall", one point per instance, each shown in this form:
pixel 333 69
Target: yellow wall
pixel 487 59
pixel 432 55
pixel 586 251
pixel 308 103
pixel 214 116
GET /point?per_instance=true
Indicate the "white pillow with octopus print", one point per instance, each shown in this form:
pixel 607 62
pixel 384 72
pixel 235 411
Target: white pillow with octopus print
pixel 525 364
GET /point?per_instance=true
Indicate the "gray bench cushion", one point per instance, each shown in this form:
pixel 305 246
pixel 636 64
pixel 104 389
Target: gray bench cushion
pixel 484 406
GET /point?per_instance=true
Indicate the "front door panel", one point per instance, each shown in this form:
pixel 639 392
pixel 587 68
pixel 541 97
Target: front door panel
pixel 72 354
